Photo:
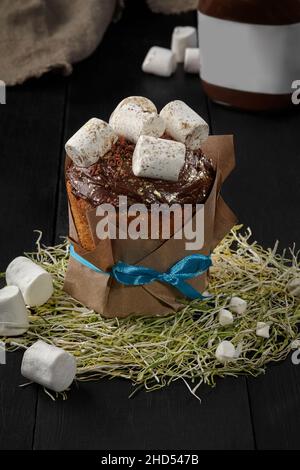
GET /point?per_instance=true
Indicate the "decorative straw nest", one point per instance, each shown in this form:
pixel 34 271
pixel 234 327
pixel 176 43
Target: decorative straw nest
pixel 153 352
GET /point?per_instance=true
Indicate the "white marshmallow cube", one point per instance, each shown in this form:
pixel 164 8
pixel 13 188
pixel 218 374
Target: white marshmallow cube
pixel 158 158
pixel 184 125
pixel 295 344
pixel 192 60
pixel 239 349
pixel 207 295
pixel 225 317
pixel 226 352
pixel 160 61
pixel 136 116
pixel 49 366
pixel 293 287
pixel 93 140
pixel 263 329
pixel 238 305
pixel 34 282
pixel 183 37
pixel 13 312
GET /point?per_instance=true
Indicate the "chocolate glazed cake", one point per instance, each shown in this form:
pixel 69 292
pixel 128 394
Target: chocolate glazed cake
pixel 156 162
pixel 112 176
pixel 150 157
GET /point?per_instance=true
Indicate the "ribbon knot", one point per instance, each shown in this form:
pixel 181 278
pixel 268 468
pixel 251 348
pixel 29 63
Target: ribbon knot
pixel 131 275
pixel 167 278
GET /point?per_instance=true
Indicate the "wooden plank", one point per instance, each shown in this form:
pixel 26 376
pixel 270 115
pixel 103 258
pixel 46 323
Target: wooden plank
pixel 30 133
pixel 100 415
pixel 264 189
pixel 265 192
pixel 17 406
pixel 275 407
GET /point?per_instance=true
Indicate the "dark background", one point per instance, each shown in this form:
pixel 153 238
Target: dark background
pixel 38 118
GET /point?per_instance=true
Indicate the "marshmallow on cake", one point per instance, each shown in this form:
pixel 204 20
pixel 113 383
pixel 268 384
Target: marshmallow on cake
pixel 149 157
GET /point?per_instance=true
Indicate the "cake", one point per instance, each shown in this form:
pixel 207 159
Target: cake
pixel 151 159
pixel 111 176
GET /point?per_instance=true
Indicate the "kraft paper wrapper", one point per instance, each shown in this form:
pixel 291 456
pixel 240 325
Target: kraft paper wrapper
pixel 106 296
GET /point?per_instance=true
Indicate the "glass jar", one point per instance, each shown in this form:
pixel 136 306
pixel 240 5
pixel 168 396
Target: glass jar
pixel 249 51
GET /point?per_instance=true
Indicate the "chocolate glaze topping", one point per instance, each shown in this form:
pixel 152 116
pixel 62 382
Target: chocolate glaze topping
pixel 112 176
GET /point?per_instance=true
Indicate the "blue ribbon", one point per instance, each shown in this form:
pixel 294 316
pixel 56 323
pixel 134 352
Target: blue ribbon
pixel 130 275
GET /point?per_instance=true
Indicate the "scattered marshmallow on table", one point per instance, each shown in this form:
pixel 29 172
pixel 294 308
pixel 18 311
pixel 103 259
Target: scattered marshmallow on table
pixel 13 312
pixel 160 61
pixel 263 329
pixel 225 317
pixel 239 349
pixel 238 305
pixel 158 158
pixel 295 344
pixel 136 116
pixel 192 60
pixel 184 125
pixel 226 351
pixel 207 295
pixel 34 282
pixel 293 287
pixel 183 37
pixel 49 366
pixel 93 140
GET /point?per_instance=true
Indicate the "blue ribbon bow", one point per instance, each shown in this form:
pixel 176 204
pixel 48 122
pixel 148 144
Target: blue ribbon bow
pixel 189 267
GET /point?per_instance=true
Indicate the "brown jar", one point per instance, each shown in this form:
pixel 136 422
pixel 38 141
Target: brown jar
pixel 250 52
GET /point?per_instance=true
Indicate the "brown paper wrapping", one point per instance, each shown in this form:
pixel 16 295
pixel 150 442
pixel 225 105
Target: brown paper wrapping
pixel 103 294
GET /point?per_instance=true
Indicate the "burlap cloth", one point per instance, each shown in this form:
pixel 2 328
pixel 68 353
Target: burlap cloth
pixel 40 35
pixel 37 36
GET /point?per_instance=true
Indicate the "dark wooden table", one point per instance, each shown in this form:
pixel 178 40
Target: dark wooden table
pixel 39 116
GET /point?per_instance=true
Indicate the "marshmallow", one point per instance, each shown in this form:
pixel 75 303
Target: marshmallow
pixel 143 103
pixel 239 349
pixel 293 287
pixel 295 344
pixel 49 366
pixel 13 312
pixel 183 37
pixel 263 329
pixel 159 61
pixel 207 295
pixel 158 158
pixel 225 351
pixel 184 125
pixel 225 317
pixel 192 60
pixel 136 116
pixel 238 305
pixel 91 142
pixel 33 281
